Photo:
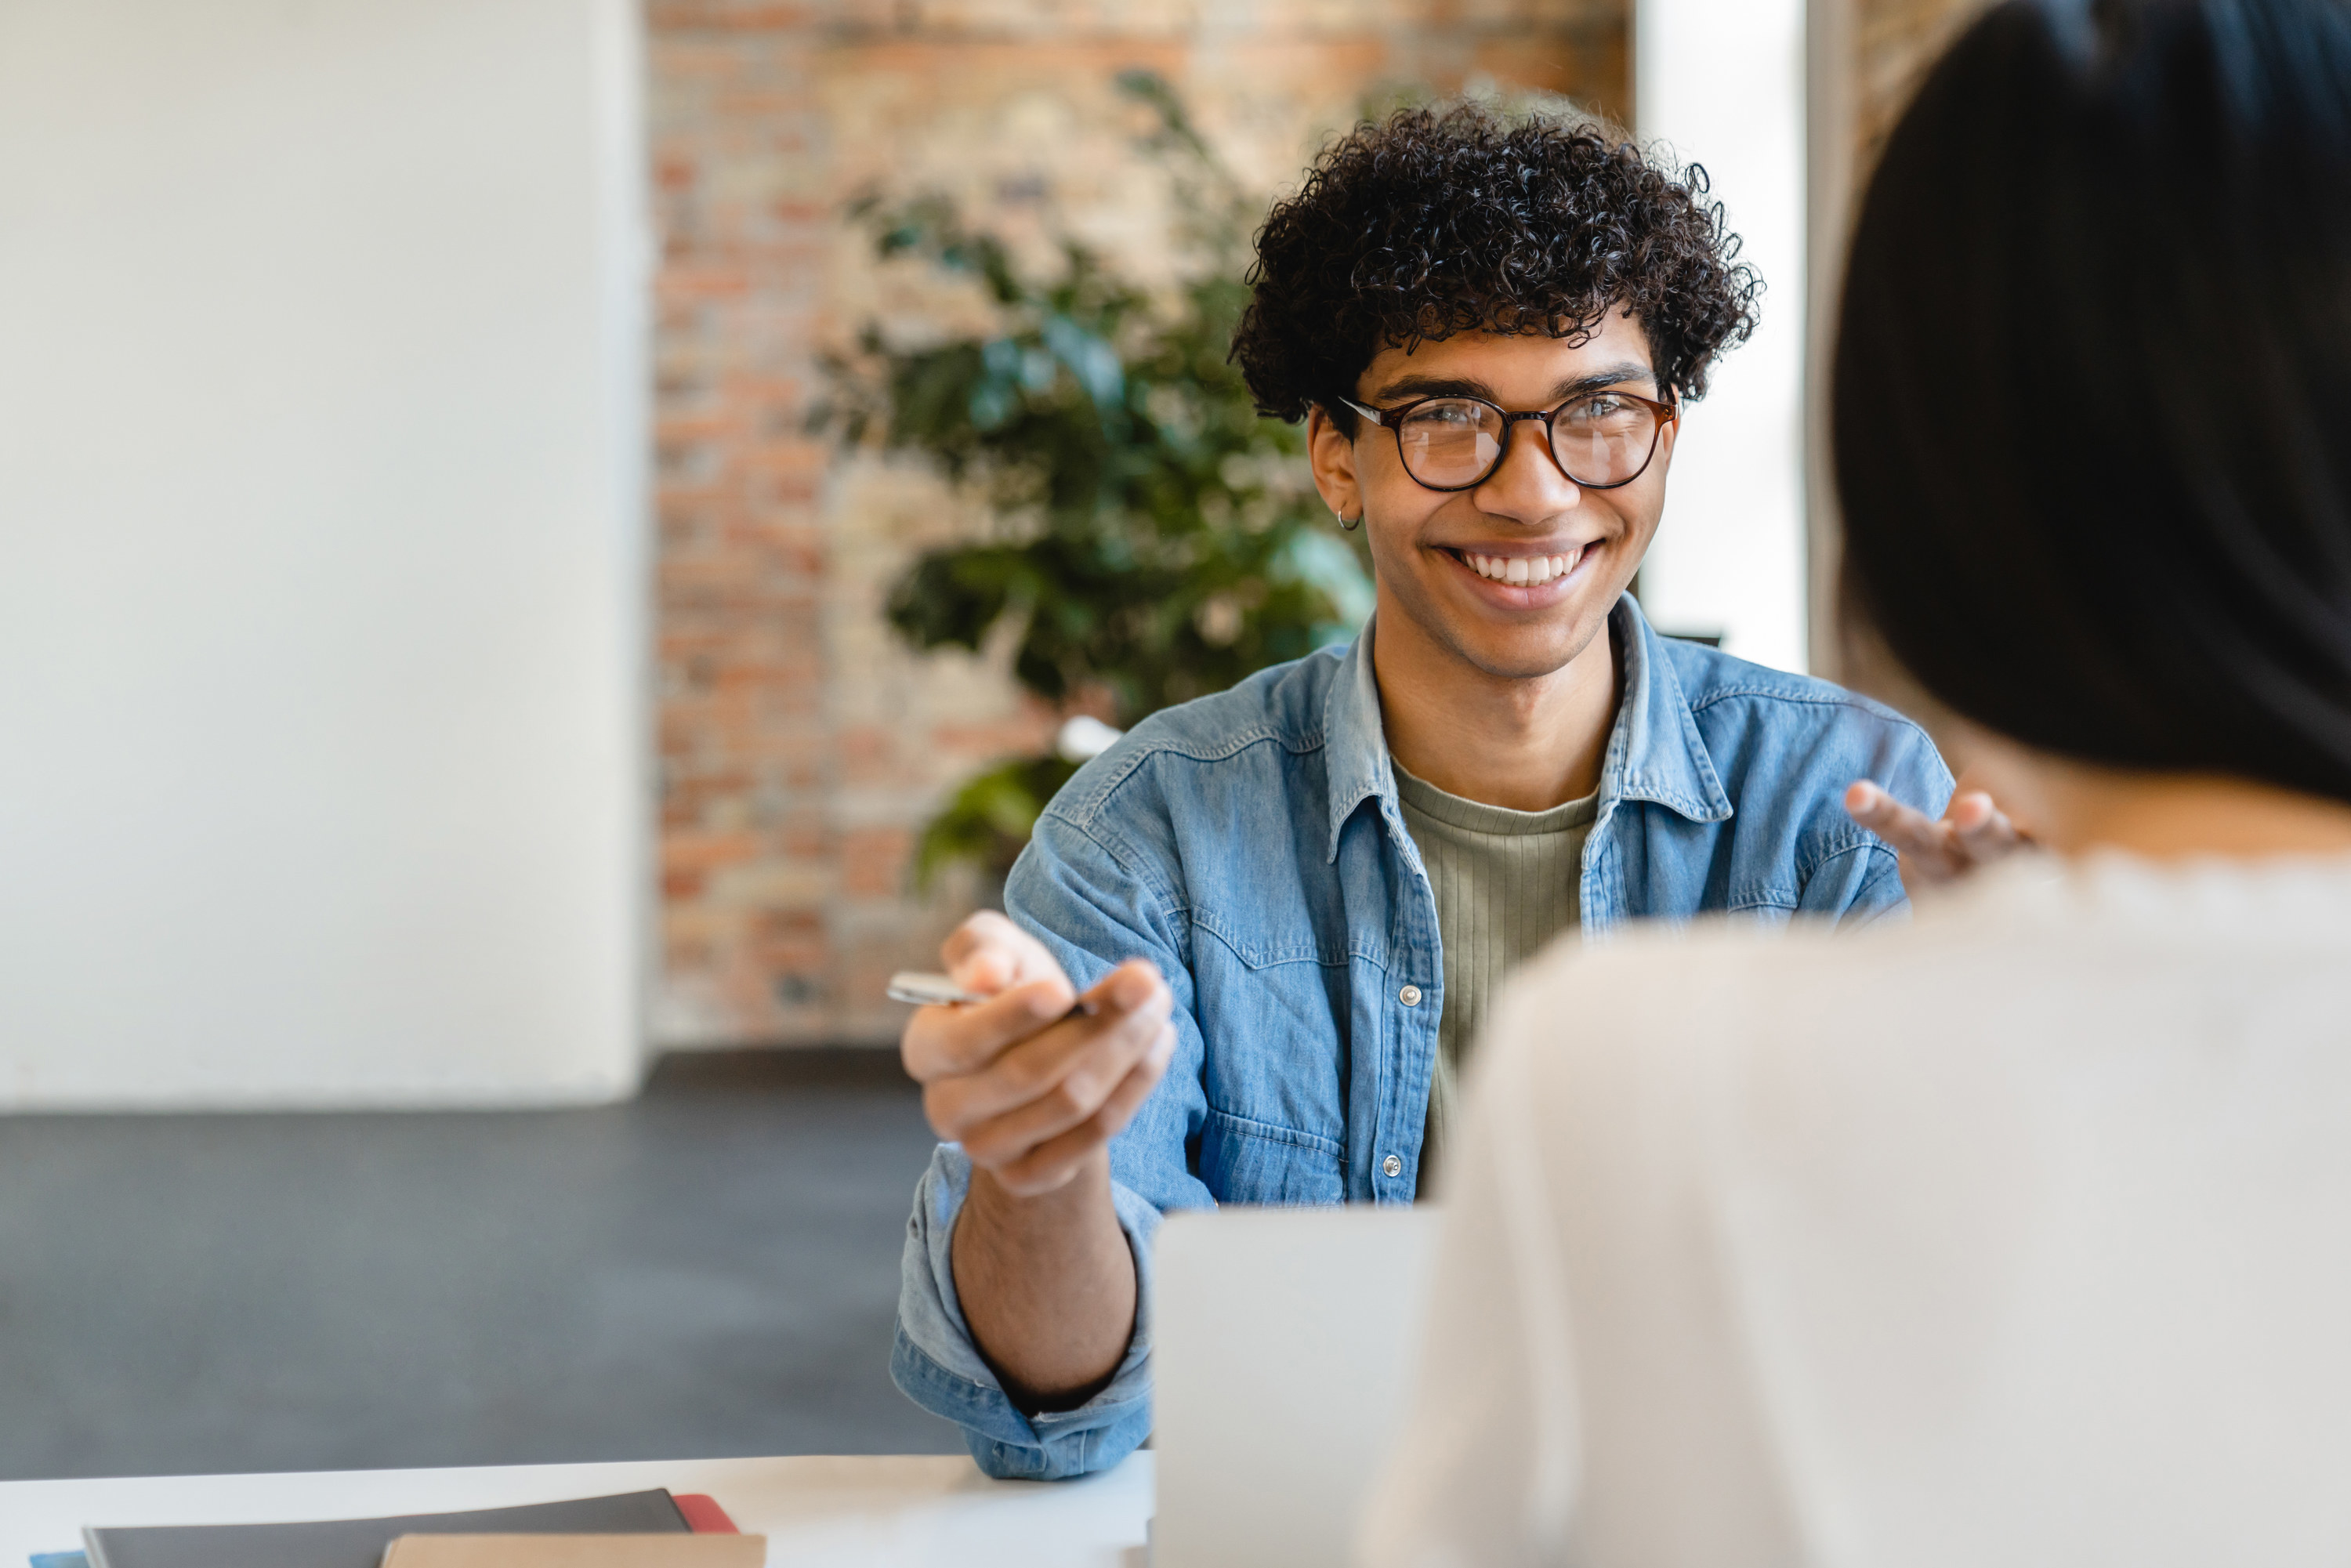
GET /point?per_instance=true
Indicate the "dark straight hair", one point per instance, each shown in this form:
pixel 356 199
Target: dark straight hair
pixel 2092 401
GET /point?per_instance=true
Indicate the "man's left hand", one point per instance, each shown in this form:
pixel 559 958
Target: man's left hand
pixel 1973 832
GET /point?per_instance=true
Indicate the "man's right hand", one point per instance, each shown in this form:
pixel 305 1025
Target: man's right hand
pixel 1031 1089
pixel 1034 1083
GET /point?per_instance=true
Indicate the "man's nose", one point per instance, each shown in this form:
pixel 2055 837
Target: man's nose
pixel 1528 484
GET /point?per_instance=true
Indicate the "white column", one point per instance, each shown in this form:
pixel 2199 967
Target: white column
pixel 322 552
pixel 1722 82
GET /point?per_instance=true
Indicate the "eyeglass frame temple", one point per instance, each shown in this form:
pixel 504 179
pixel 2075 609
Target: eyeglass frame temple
pixel 1667 413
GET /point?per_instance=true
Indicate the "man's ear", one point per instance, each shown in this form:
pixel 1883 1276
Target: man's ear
pixel 1333 456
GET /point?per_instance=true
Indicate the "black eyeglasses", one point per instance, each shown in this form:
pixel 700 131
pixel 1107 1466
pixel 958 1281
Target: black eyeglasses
pixel 1600 440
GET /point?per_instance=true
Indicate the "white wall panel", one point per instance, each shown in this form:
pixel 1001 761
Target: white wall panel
pixel 321 566
pixel 1722 82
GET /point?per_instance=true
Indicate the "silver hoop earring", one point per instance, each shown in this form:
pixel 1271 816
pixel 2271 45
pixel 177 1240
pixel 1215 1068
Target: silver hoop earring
pixel 1347 522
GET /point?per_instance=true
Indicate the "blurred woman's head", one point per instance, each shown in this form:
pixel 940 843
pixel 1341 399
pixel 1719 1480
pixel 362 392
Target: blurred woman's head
pixel 2093 386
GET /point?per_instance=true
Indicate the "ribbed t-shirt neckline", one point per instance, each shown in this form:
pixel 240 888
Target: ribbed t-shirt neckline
pixel 1476 816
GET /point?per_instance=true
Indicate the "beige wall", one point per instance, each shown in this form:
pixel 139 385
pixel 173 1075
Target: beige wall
pixel 800 748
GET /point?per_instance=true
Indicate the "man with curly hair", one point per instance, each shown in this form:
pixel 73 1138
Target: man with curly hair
pixel 1249 945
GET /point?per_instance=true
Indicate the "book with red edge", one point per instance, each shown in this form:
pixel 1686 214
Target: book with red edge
pixel 703 1514
pixel 361 1542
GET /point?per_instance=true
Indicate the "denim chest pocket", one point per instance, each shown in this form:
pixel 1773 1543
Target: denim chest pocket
pixel 1275 1075
pixel 1244 1161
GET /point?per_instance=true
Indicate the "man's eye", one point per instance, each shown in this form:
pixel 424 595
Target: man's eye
pixel 1605 410
pixel 1444 415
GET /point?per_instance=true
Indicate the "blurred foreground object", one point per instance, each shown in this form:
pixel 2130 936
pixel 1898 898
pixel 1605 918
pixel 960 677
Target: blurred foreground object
pixel 1153 539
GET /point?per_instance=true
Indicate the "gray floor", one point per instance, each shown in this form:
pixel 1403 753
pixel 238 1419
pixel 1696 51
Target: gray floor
pixel 710 1271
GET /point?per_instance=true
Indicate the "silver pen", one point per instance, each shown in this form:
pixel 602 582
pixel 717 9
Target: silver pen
pixel 941 991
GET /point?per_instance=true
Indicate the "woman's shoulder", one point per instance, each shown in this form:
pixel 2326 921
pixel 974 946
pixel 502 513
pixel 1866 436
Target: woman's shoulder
pixel 2033 951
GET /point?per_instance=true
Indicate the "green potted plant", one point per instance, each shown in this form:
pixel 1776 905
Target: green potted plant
pixel 1153 539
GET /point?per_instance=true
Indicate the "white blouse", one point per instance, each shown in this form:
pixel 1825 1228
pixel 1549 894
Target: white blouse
pixel 2016 1234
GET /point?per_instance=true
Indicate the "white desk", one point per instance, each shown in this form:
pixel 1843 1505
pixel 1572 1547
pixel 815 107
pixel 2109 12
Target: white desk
pixel 906 1511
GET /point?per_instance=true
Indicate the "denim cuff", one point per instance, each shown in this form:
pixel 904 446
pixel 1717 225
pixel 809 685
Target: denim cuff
pixel 935 1364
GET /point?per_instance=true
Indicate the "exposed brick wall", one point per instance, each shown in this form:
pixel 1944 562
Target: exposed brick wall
pixel 800 748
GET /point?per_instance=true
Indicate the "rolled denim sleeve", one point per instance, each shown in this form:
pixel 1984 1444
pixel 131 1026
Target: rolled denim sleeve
pixel 1093 905
pixel 936 1366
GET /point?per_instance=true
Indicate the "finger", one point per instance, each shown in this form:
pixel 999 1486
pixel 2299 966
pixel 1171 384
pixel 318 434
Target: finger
pixel 1914 835
pixel 1126 987
pixel 1050 1166
pixel 1888 817
pixel 987 953
pixel 1049 1082
pixel 1137 1086
pixel 1982 830
pixel 1075 1100
pixel 1054 1161
pixel 942 1041
pixel 1970 810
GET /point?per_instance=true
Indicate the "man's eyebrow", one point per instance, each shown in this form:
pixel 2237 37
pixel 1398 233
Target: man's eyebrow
pixel 1433 386
pixel 1614 375
pixel 1417 386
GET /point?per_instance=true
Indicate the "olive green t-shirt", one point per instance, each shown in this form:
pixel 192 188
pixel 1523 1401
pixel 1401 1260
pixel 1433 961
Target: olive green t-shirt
pixel 1505 883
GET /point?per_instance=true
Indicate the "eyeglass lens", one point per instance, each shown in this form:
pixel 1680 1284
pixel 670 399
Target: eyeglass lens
pixel 1452 442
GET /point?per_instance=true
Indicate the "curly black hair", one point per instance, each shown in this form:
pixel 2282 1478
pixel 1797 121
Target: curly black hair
pixel 1439 222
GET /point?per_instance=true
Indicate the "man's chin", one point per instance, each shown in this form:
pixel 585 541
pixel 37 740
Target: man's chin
pixel 1522 657
pixel 1529 652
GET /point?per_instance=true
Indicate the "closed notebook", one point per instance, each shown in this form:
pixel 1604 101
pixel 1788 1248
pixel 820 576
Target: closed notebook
pixel 361 1542
pixel 578 1552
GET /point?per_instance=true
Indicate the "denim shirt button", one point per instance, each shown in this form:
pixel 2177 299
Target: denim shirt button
pixel 1409 996
pixel 1391 1166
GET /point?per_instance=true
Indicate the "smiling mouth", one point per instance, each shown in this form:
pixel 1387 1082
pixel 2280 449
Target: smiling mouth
pixel 1520 571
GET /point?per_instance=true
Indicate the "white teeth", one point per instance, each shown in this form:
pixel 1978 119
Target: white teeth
pixel 1522 572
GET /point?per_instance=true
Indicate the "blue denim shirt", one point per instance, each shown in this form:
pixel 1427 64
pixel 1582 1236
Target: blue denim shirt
pixel 1251 845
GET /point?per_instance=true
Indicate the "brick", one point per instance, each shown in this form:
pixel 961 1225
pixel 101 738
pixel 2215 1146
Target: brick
pixel 875 861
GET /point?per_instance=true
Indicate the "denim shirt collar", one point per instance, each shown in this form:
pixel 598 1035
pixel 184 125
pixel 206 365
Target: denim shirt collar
pixel 1654 750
